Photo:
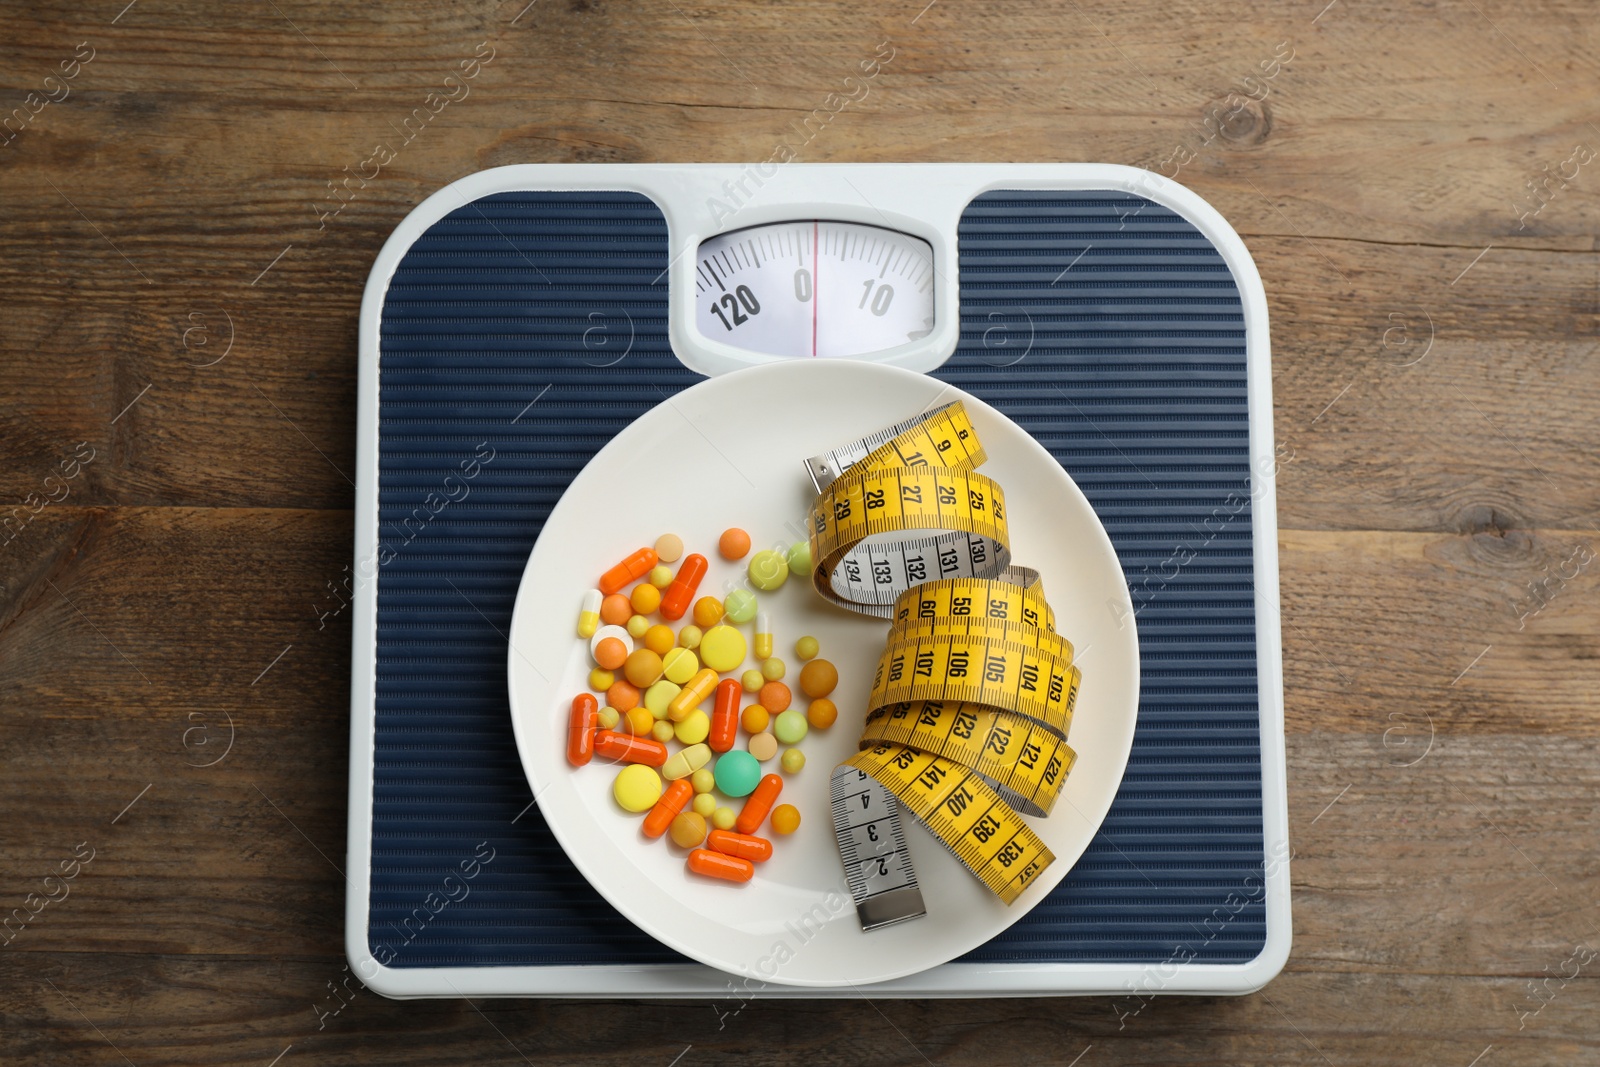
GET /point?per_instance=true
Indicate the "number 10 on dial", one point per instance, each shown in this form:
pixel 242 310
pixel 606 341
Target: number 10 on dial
pixel 814 288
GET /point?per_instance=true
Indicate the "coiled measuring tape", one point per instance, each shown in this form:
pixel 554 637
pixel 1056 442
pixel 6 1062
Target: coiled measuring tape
pixel 971 703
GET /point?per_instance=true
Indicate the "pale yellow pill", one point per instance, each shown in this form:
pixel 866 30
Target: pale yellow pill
pixel 722 648
pixel 600 679
pixel 609 717
pixel 658 696
pixel 772 668
pixel 752 680
pixel 704 780
pixel 807 648
pixel 637 787
pixel 679 665
pixel 793 760
pixel 662 731
pixel 704 804
pixel 637 625
pixel 660 577
pixel 685 761
pixel 722 818
pixel 694 729
pixel 763 746
pixel 689 636
pixel 669 548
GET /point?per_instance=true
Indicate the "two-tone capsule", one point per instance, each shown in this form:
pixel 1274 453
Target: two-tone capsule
pixel 589 614
pixel 763 641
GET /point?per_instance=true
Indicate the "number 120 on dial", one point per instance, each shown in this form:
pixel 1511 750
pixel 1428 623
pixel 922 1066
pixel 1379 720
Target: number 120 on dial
pixel 814 288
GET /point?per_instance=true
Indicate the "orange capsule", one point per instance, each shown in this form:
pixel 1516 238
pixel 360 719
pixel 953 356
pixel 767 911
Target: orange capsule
pixel 581 725
pixel 631 569
pixel 745 846
pixel 625 748
pixel 725 716
pixel 678 794
pixel 720 865
pixel 761 800
pixel 694 691
pixel 675 601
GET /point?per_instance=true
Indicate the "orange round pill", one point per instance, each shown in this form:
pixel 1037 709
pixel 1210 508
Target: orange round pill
pixel 707 612
pixel 641 668
pixel 755 718
pixel 785 819
pixel 818 678
pixel 734 543
pixel 774 696
pixel 822 713
pixel 645 598
pixel 611 654
pixel 660 639
pixel 622 695
pixel 615 610
pixel 638 721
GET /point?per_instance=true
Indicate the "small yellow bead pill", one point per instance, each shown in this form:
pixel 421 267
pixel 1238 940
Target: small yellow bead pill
pixel 704 804
pixel 807 648
pixel 752 680
pixel 637 787
pixel 662 731
pixel 679 664
pixel 637 626
pixel 600 679
pixel 660 577
pixel 689 636
pixel 704 780
pixel 793 760
pixel 658 696
pixel 785 819
pixel 772 668
pixel 768 570
pixel 763 746
pixel 722 648
pixel 694 729
pixel 722 818
pixel 609 717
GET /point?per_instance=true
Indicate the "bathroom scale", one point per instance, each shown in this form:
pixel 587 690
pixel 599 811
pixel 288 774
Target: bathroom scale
pixel 521 319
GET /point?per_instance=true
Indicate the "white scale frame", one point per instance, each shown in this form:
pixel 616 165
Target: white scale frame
pixel 927 200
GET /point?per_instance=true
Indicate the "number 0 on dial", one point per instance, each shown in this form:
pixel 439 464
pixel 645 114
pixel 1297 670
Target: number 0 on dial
pixel 814 288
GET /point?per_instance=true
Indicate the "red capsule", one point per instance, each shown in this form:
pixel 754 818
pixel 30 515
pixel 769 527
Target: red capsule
pixel 725 716
pixel 720 865
pixel 581 725
pixel 625 748
pixel 761 800
pixel 631 569
pixel 680 594
pixel 674 800
pixel 745 846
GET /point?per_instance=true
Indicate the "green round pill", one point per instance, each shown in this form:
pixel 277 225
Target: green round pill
pixel 793 760
pixel 790 726
pixel 737 773
pixel 768 570
pixel 799 558
pixel 739 605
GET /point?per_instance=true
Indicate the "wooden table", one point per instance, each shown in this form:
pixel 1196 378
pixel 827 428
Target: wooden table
pixel 183 258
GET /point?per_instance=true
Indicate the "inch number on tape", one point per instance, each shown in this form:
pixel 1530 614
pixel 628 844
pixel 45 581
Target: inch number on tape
pixel 973 696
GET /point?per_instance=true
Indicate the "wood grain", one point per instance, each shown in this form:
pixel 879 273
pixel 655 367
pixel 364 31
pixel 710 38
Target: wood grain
pixel 176 305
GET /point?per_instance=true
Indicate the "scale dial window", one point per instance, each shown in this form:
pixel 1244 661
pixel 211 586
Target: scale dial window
pixel 814 287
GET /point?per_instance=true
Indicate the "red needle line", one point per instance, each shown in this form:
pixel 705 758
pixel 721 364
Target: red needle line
pixel 814 280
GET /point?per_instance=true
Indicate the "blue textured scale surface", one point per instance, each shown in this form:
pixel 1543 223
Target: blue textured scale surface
pixel 1103 324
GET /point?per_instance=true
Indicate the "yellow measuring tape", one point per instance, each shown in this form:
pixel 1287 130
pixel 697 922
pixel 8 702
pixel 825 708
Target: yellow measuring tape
pixel 973 696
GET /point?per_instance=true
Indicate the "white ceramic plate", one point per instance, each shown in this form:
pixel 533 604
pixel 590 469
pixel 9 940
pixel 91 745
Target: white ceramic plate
pixel 727 452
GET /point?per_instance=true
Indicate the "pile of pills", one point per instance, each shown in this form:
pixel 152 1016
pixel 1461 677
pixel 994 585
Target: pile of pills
pixel 661 707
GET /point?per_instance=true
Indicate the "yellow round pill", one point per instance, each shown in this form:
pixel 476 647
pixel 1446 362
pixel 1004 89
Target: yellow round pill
pixel 807 647
pixel 638 721
pixel 662 731
pixel 637 626
pixel 722 818
pixel 679 664
pixel 772 667
pixel 689 636
pixel 694 728
pixel 707 611
pixel 660 577
pixel 793 761
pixel 609 717
pixel 752 680
pixel 637 787
pixel 763 746
pixel 785 819
pixel 658 696
pixel 660 639
pixel 722 648
pixel 600 680
pixel 703 780
pixel 704 804
pixel 645 598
